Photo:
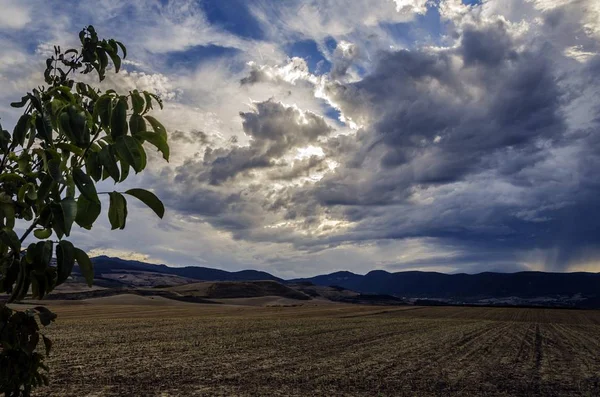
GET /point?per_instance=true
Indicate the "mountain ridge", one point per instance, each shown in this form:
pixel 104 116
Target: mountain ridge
pixel 408 284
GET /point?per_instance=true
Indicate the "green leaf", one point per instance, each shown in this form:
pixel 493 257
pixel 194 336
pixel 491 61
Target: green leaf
pixel 12 178
pixel 8 237
pixel 65 260
pixel 63 215
pixel 42 234
pixel 107 159
pixel 122 49
pixel 124 170
pixel 137 101
pixel 20 130
pixel 45 186
pixel 58 221
pixel 118 119
pixel 157 126
pixel 93 165
pixel 46 317
pixel 117 212
pixel 131 151
pixel 69 210
pixel 149 199
pixel 102 110
pixel 70 148
pixel 21 103
pixel 85 266
pixel 47 345
pixel 115 59
pixel 79 130
pixel 87 212
pixel 137 124
pixel 44 250
pixel 156 140
pixel 85 185
pixel 43 127
pixel 54 170
pixel 8 210
pixel 103 61
pixel 64 121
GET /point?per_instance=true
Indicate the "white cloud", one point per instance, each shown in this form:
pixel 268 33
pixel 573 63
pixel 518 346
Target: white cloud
pixel 15 14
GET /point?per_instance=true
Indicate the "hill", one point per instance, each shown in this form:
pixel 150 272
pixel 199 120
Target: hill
pixel 382 287
pixel 483 285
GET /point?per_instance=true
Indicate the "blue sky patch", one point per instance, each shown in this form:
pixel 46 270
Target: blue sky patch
pixel 309 50
pixel 196 55
pixel 235 17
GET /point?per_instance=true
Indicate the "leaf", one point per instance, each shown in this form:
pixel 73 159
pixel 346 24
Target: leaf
pixel 137 124
pixel 137 102
pixel 54 170
pixel 107 159
pixel 149 199
pixel 21 103
pixel 102 110
pixel 46 317
pixel 69 210
pixel 43 127
pixel 20 130
pixel 103 61
pixel 13 178
pixel 8 237
pixel 8 211
pixel 85 266
pixel 70 148
pixel 87 212
pixel 42 234
pixel 118 119
pixel 115 59
pixel 63 215
pixel 124 170
pixel 117 211
pixel 93 166
pixel 79 130
pixel 122 49
pixel 157 126
pixel 47 344
pixel 130 150
pixel 156 140
pixel 85 185
pixel 44 250
pixel 65 260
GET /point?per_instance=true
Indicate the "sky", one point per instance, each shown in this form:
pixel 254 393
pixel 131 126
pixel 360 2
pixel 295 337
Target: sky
pixel 310 136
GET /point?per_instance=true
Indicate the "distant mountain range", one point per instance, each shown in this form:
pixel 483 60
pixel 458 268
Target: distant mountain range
pixel 105 265
pixel 482 285
pixel 564 289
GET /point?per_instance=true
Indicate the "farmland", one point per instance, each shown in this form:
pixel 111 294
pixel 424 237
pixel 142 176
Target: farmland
pixel 161 348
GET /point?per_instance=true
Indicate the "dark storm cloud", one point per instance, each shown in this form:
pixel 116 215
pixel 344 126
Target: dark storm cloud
pixel 474 145
pixel 435 122
pixel 487 121
pixel 489 46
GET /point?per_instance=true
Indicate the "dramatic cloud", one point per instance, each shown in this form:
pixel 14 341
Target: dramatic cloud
pixel 313 136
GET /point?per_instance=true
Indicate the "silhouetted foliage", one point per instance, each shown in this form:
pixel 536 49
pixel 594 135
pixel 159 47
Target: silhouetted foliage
pixel 70 136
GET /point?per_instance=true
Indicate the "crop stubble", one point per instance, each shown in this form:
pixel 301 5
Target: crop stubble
pixel 323 350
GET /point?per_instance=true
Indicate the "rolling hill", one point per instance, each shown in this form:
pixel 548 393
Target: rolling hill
pixel 522 288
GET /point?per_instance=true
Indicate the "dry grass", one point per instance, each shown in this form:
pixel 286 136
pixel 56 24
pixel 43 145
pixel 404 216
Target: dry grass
pixel 186 349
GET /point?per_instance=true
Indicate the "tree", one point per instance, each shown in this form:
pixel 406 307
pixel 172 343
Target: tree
pixel 70 136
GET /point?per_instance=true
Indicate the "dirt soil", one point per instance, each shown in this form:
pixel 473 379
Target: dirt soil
pixel 141 349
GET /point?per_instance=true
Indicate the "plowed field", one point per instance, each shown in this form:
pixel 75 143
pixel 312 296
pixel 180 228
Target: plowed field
pixel 328 350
